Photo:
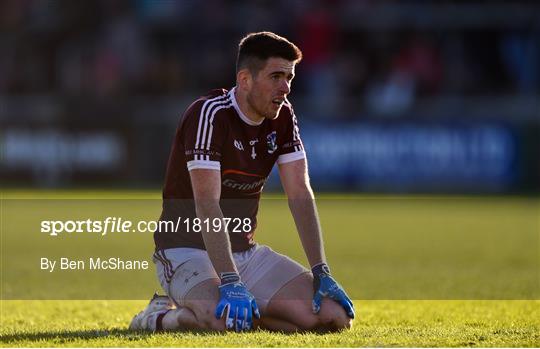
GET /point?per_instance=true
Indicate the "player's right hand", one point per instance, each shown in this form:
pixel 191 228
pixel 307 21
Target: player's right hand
pixel 236 303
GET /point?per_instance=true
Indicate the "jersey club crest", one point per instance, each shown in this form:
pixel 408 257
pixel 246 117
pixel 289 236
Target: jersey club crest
pixel 271 142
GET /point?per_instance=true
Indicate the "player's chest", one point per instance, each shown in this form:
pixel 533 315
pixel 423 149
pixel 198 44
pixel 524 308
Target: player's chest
pixel 252 148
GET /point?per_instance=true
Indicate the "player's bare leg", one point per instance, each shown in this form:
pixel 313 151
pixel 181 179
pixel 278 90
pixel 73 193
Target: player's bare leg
pixel 199 306
pixel 275 325
pixel 293 304
pixel 288 311
pixel 179 319
pixel 199 312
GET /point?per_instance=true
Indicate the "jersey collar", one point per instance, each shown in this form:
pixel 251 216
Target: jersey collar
pixel 239 112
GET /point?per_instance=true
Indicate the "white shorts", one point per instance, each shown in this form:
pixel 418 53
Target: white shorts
pixel 262 270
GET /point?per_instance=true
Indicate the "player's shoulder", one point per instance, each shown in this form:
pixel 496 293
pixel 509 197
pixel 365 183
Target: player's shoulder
pixel 215 94
pixel 211 102
pixel 288 108
pixel 211 97
pixel 286 113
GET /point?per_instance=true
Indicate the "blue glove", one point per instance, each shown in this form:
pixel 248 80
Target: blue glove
pixel 235 299
pixel 325 286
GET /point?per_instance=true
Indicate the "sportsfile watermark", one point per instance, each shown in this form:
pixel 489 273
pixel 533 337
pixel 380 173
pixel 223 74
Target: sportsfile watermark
pixel 121 225
pixel 422 248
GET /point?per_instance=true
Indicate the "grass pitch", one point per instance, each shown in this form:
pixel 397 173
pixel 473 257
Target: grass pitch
pixel 379 323
pixel 424 271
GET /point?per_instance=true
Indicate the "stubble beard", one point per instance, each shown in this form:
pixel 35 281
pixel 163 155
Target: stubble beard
pixel 253 106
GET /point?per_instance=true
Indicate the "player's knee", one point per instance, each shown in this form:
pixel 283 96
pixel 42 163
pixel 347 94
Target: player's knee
pixel 214 324
pixel 308 322
pixel 342 323
pixel 206 318
pixel 333 317
pixel 318 324
pixel 334 324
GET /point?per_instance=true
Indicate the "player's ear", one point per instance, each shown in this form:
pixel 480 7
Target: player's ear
pixel 244 79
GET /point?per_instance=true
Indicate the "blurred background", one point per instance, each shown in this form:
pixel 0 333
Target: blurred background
pixel 392 96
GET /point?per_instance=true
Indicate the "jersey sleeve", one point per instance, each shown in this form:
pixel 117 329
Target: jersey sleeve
pixel 292 148
pixel 203 138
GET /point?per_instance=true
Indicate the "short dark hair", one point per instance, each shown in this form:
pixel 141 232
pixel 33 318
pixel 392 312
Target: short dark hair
pixel 255 48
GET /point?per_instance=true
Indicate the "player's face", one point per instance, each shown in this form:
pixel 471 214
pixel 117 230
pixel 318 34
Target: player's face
pixel 270 87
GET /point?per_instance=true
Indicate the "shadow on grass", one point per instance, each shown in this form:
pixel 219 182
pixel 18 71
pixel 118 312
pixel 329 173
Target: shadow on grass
pixel 66 336
pixel 123 334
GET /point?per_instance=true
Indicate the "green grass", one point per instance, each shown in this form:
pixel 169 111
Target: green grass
pixel 380 323
pixel 424 271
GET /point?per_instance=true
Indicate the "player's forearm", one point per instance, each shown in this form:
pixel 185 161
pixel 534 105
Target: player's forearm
pixel 304 211
pixel 216 242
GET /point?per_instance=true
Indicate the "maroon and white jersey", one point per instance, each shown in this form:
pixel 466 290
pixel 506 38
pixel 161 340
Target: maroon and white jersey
pixel 214 134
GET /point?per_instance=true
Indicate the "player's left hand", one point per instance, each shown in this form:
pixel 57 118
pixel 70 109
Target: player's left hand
pixel 236 303
pixel 324 285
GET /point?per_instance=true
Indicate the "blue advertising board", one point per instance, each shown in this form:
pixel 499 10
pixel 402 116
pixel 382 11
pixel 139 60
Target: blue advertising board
pixel 412 156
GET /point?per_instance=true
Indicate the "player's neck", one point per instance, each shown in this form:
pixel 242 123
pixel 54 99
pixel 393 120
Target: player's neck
pixel 246 109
